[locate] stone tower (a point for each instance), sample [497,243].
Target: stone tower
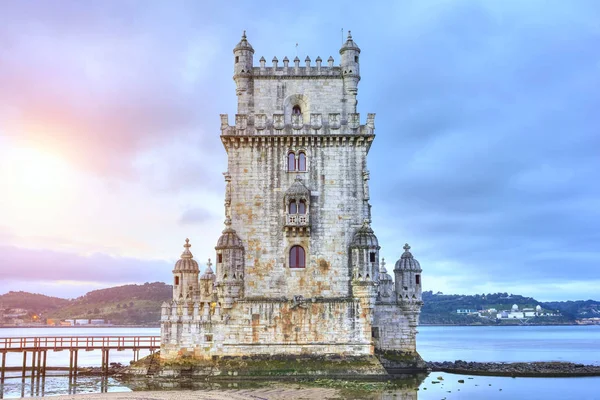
[297,266]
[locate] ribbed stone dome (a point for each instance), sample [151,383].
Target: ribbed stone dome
[407,261]
[365,237]
[187,262]
[383,275]
[243,44]
[229,239]
[208,273]
[349,45]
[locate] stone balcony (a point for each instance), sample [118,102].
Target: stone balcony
[297,225]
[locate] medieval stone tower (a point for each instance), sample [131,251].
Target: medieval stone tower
[297,268]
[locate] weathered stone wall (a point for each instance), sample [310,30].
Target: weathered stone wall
[337,208]
[396,326]
[311,326]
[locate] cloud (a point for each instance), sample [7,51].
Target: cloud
[20,264]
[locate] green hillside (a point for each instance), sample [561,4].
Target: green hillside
[33,302]
[121,305]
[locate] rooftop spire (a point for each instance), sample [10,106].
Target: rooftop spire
[187,253]
[407,253]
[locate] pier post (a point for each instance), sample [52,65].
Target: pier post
[44,364]
[107,363]
[3,371]
[75,363]
[33,354]
[24,366]
[70,364]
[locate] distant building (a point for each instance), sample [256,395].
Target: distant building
[466,311]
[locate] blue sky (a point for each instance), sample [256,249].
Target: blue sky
[485,160]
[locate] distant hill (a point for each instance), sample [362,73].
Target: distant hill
[121,305]
[33,302]
[440,308]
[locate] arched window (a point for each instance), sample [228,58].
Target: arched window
[301,162]
[291,161]
[302,207]
[293,207]
[297,259]
[296,110]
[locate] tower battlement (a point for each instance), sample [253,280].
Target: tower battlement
[296,71]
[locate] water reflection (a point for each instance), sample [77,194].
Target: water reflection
[435,386]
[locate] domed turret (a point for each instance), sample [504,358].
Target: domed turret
[386,283]
[515,307]
[350,66]
[408,277]
[230,265]
[185,283]
[365,254]
[365,238]
[242,73]
[207,280]
[407,261]
[244,54]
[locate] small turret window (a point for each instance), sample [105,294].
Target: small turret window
[418,279]
[291,161]
[237,59]
[296,110]
[301,162]
[219,258]
[293,207]
[297,258]
[372,257]
[355,59]
[176,280]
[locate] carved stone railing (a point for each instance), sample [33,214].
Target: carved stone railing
[275,124]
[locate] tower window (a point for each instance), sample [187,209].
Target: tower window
[237,59]
[219,258]
[418,279]
[301,162]
[176,280]
[296,110]
[297,258]
[355,59]
[372,257]
[291,161]
[302,207]
[293,207]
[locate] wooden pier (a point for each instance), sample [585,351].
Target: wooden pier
[38,347]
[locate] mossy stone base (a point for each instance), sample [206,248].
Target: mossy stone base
[279,366]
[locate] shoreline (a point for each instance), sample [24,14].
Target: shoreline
[541,369]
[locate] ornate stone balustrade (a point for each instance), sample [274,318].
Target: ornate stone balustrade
[276,124]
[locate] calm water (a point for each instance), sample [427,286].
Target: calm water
[521,343]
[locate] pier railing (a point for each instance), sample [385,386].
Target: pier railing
[58,343]
[39,346]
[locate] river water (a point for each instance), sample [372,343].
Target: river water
[580,344]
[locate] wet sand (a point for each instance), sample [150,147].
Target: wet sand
[286,393]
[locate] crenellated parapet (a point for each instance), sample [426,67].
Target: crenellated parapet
[317,124]
[295,71]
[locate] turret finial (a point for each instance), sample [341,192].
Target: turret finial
[406,247]
[209,264]
[244,34]
[187,253]
[349,35]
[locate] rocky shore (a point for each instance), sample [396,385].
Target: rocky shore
[522,369]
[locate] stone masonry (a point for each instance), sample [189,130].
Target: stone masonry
[297,268]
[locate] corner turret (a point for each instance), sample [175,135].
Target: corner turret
[408,278]
[185,273]
[350,72]
[242,72]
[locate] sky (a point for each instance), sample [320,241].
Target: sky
[485,161]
